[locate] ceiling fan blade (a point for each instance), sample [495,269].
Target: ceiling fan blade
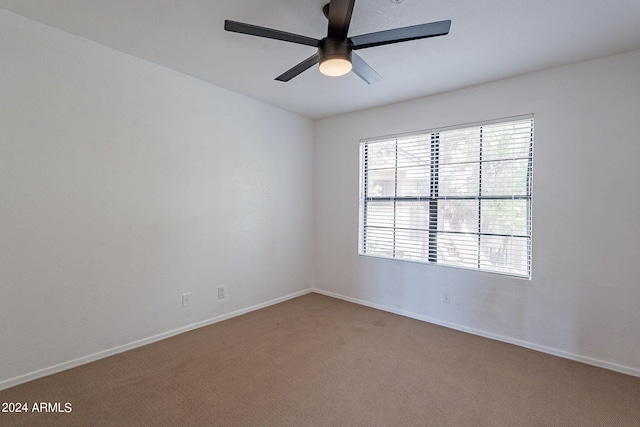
[340,18]
[303,66]
[254,30]
[432,29]
[364,70]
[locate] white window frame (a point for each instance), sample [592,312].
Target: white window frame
[398,219]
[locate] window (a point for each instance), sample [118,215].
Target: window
[454,196]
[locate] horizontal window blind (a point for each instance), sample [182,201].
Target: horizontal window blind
[455,196]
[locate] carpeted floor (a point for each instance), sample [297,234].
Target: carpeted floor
[319,361]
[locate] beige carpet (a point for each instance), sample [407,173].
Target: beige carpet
[318,361]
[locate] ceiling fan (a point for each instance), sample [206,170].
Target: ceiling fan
[335,52]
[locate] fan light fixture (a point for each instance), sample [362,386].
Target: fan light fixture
[334,57]
[335,67]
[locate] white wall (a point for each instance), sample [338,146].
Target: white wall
[584,299]
[124,184]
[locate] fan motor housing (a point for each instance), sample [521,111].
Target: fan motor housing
[335,49]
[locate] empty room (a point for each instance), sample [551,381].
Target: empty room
[310,213]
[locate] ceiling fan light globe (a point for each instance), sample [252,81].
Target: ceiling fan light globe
[335,67]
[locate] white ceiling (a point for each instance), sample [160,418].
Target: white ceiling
[489,40]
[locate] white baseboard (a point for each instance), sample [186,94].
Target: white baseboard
[139,343]
[533,346]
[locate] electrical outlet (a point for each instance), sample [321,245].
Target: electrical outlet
[446,297]
[221,293]
[186,300]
